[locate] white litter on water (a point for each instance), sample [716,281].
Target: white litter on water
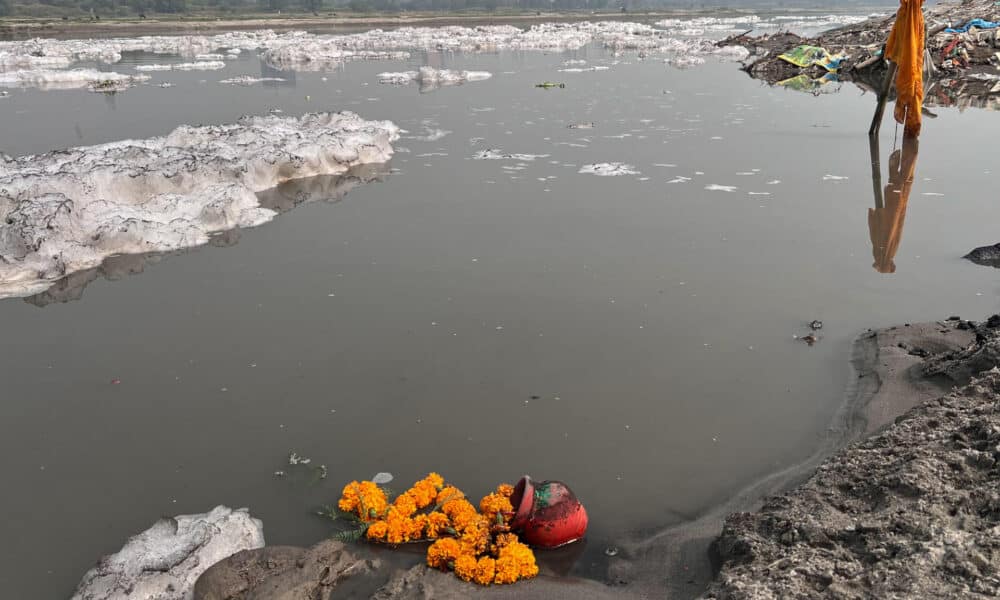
[829,177]
[608,169]
[67,211]
[714,187]
[382,478]
[296,459]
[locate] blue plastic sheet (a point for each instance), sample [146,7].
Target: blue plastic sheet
[977,23]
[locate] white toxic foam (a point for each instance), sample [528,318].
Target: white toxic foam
[67,211]
[431,78]
[203,65]
[47,79]
[299,50]
[249,80]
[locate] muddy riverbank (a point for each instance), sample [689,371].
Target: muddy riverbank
[910,512]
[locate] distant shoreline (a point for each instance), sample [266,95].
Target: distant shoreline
[18,28]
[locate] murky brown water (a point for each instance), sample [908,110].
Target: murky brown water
[481,318]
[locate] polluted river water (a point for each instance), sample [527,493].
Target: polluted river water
[485,305]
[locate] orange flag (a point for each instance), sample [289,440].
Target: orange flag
[906,48]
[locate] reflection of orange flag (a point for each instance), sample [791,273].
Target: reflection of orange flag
[885,224]
[906,48]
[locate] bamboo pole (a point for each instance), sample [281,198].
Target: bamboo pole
[883,97]
[876,171]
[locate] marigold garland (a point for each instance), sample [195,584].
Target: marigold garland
[476,545]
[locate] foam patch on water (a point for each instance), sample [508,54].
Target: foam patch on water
[206,65]
[246,80]
[431,78]
[721,26]
[299,50]
[67,211]
[47,79]
[612,169]
[584,69]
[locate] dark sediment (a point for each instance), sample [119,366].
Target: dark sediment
[911,512]
[964,69]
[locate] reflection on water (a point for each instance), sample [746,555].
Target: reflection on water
[326,188]
[276,77]
[885,221]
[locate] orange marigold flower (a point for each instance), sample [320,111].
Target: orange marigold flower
[504,539]
[436,523]
[495,504]
[442,552]
[462,513]
[423,494]
[434,479]
[349,497]
[404,505]
[475,539]
[505,489]
[448,494]
[506,570]
[415,527]
[365,499]
[515,561]
[465,566]
[485,571]
[399,527]
[377,530]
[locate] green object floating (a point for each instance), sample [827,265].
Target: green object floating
[548,85]
[806,56]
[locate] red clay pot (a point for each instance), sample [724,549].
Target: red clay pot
[547,514]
